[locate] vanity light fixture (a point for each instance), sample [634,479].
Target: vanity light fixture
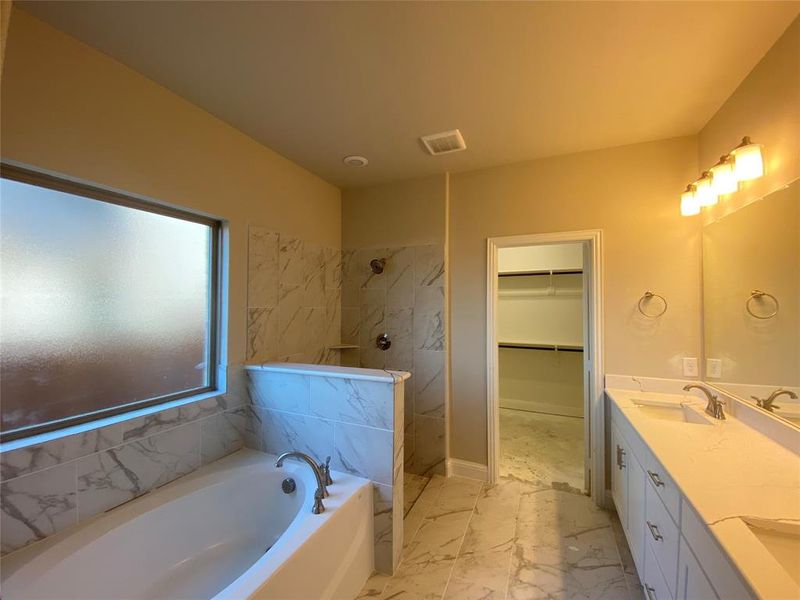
[689,205]
[723,176]
[704,193]
[744,163]
[748,163]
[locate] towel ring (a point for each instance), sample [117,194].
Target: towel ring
[758,295]
[646,297]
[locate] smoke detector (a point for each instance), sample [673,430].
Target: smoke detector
[355,161]
[444,142]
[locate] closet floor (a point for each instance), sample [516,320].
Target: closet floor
[542,449]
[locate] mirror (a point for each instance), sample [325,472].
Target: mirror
[751,303]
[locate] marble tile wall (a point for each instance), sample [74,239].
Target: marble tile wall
[53,485]
[293,299]
[407,302]
[357,422]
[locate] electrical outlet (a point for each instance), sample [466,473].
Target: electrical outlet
[713,368]
[690,367]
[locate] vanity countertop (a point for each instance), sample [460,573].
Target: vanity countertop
[727,470]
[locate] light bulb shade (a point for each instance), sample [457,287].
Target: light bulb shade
[723,177]
[748,162]
[689,205]
[704,194]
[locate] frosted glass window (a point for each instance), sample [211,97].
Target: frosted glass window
[106,307]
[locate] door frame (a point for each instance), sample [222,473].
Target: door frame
[594,404]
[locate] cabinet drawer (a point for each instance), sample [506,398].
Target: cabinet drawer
[664,486]
[655,587]
[662,536]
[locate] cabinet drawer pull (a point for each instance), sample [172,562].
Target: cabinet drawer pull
[656,479]
[620,454]
[651,592]
[654,532]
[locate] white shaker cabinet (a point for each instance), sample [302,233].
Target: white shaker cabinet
[665,535]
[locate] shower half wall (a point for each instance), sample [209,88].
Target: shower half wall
[405,302]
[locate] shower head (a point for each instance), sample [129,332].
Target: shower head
[377,265]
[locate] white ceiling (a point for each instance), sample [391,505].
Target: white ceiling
[318,81]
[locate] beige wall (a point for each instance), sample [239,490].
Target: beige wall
[766,106]
[631,193]
[402,213]
[69,109]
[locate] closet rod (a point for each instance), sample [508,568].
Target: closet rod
[552,347]
[552,272]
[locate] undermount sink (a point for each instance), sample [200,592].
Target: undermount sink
[670,411]
[782,540]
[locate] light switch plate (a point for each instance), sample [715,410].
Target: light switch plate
[690,367]
[713,368]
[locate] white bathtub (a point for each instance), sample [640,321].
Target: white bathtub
[206,536]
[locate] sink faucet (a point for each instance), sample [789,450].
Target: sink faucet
[714,406]
[767,403]
[321,492]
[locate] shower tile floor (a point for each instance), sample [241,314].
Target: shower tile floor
[542,449]
[514,540]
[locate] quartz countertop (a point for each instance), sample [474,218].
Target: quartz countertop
[726,470]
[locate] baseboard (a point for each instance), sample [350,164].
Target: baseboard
[465,468]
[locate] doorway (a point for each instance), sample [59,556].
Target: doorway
[545,386]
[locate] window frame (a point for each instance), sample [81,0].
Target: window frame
[214,324]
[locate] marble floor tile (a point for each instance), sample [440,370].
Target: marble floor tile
[464,589]
[560,546]
[486,533]
[488,569]
[542,449]
[547,574]
[419,581]
[437,539]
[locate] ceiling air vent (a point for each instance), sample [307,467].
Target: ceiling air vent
[444,143]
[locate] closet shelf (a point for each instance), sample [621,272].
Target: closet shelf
[536,346]
[541,272]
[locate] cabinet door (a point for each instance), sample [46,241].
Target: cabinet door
[655,587]
[637,483]
[619,475]
[692,582]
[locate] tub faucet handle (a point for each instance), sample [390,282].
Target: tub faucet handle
[326,471]
[318,508]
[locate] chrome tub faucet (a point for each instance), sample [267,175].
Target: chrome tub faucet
[320,492]
[714,406]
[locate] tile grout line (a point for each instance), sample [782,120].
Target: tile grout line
[463,537]
[513,547]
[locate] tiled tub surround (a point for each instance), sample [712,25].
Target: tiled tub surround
[50,486]
[407,302]
[293,299]
[354,416]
